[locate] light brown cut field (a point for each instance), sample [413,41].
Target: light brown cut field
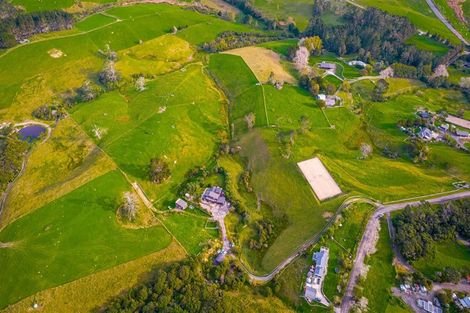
[262,62]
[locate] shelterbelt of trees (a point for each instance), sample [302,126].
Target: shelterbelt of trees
[16,25]
[189,286]
[419,228]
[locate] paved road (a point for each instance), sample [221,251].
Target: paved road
[439,15]
[305,245]
[369,235]
[462,286]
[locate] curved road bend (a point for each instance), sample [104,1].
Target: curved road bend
[305,245]
[441,17]
[368,236]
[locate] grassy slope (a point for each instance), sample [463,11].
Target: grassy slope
[428,44]
[282,46]
[71,237]
[41,5]
[417,11]
[184,134]
[449,253]
[155,57]
[300,11]
[89,292]
[66,161]
[240,85]
[44,77]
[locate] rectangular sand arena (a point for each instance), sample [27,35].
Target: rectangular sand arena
[319,179]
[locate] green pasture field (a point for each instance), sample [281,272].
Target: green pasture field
[397,86]
[71,237]
[300,11]
[177,118]
[46,5]
[418,12]
[190,230]
[450,15]
[94,21]
[381,277]
[154,57]
[240,85]
[288,105]
[45,77]
[448,253]
[330,79]
[428,44]
[67,160]
[466,9]
[282,46]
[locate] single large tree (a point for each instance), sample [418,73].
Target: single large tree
[130,206]
[313,44]
[158,170]
[250,120]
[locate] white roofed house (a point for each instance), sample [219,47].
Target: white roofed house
[327,66]
[315,277]
[181,204]
[357,63]
[427,134]
[321,262]
[332,100]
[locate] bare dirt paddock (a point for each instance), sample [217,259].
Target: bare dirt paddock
[319,179]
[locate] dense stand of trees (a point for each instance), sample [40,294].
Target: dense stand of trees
[190,286]
[419,228]
[12,150]
[232,40]
[371,33]
[19,26]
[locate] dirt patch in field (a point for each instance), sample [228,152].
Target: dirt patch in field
[319,178]
[456,5]
[5,245]
[262,62]
[56,53]
[327,215]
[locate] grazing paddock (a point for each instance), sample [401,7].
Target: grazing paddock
[71,237]
[319,178]
[263,62]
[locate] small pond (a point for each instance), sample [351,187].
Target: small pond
[31,132]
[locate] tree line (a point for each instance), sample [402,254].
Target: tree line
[188,286]
[12,150]
[21,25]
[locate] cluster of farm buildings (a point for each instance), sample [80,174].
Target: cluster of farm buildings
[214,201]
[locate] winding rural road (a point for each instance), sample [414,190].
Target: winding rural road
[368,239]
[305,245]
[441,17]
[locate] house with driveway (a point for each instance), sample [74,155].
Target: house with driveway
[315,277]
